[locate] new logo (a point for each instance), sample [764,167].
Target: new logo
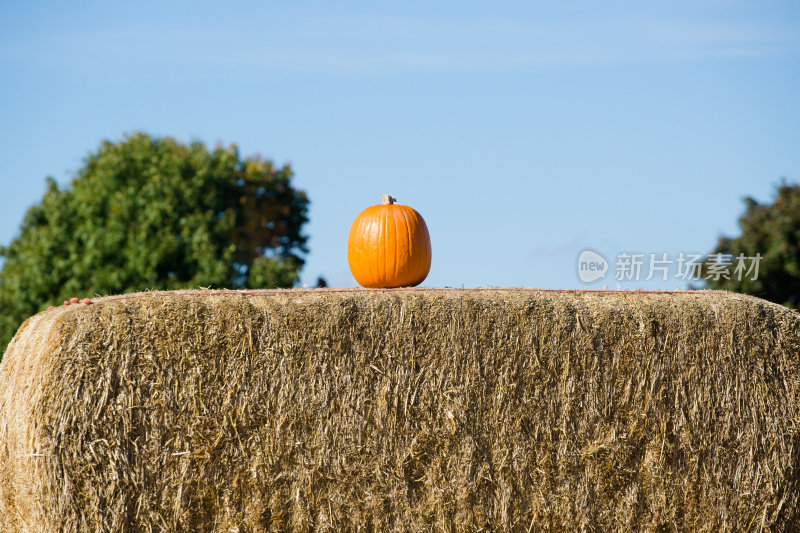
[591,266]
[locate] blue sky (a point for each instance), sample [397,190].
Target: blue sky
[522,132]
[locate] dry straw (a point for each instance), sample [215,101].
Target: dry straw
[404,410]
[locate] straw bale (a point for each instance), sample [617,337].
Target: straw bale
[403,410]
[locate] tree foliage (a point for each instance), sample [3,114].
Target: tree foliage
[152,213]
[772,230]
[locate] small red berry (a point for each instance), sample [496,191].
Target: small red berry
[73,300]
[66,302]
[50,307]
[86,301]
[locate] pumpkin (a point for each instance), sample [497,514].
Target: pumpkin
[389,246]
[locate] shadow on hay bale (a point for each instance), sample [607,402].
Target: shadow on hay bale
[404,410]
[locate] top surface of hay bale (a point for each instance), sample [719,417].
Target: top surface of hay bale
[403,410]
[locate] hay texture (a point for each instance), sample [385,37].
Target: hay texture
[403,410]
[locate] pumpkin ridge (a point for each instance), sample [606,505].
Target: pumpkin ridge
[383,236]
[364,226]
[376,265]
[409,242]
[396,252]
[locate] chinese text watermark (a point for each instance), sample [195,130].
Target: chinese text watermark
[685,266]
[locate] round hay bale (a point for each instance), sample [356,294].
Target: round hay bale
[403,410]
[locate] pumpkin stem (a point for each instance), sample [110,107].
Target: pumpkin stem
[388,200]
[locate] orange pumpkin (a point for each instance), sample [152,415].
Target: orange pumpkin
[389,246]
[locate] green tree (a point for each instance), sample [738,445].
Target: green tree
[773,231]
[152,213]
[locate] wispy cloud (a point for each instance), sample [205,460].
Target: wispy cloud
[399,43]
